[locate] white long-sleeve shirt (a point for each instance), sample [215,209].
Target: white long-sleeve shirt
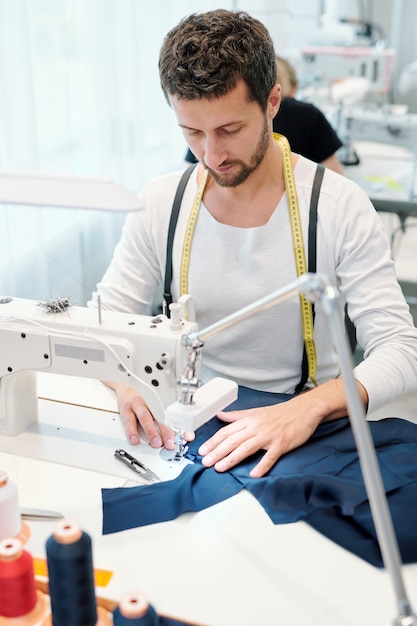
[231,267]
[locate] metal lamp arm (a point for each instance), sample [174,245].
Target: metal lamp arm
[317,287]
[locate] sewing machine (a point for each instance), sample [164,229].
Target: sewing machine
[144,351]
[149,352]
[324,67]
[382,124]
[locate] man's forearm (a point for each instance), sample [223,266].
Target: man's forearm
[329,400]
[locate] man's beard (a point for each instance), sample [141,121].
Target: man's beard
[246,169]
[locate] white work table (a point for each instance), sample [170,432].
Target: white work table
[228,565]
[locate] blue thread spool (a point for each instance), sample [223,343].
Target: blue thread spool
[71,576]
[134,610]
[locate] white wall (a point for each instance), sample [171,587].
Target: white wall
[80,94]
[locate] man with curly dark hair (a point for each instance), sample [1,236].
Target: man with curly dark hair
[218,74]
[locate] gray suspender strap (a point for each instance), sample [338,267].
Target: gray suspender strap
[312,224]
[312,267]
[312,251]
[167,296]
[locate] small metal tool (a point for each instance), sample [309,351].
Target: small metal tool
[39,514]
[136,465]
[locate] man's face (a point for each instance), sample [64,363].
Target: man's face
[229,135]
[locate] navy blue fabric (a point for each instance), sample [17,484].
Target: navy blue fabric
[196,488]
[320,483]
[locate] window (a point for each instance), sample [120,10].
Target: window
[80,95]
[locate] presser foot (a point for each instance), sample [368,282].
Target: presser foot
[176,455]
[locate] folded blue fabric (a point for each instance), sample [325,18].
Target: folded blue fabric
[320,482]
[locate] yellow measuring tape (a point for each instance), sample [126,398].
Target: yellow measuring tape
[189,234]
[299,254]
[298,246]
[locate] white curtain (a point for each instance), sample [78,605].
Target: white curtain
[80,94]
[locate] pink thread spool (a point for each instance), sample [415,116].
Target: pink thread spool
[20,602]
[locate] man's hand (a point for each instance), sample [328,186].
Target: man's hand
[134,411]
[276,429]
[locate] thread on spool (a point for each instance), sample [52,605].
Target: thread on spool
[71,576]
[135,610]
[18,595]
[10,521]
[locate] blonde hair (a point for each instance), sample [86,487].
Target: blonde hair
[286,77]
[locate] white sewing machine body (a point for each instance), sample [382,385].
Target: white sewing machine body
[144,351]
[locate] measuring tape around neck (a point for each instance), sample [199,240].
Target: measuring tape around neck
[299,253]
[189,234]
[298,247]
